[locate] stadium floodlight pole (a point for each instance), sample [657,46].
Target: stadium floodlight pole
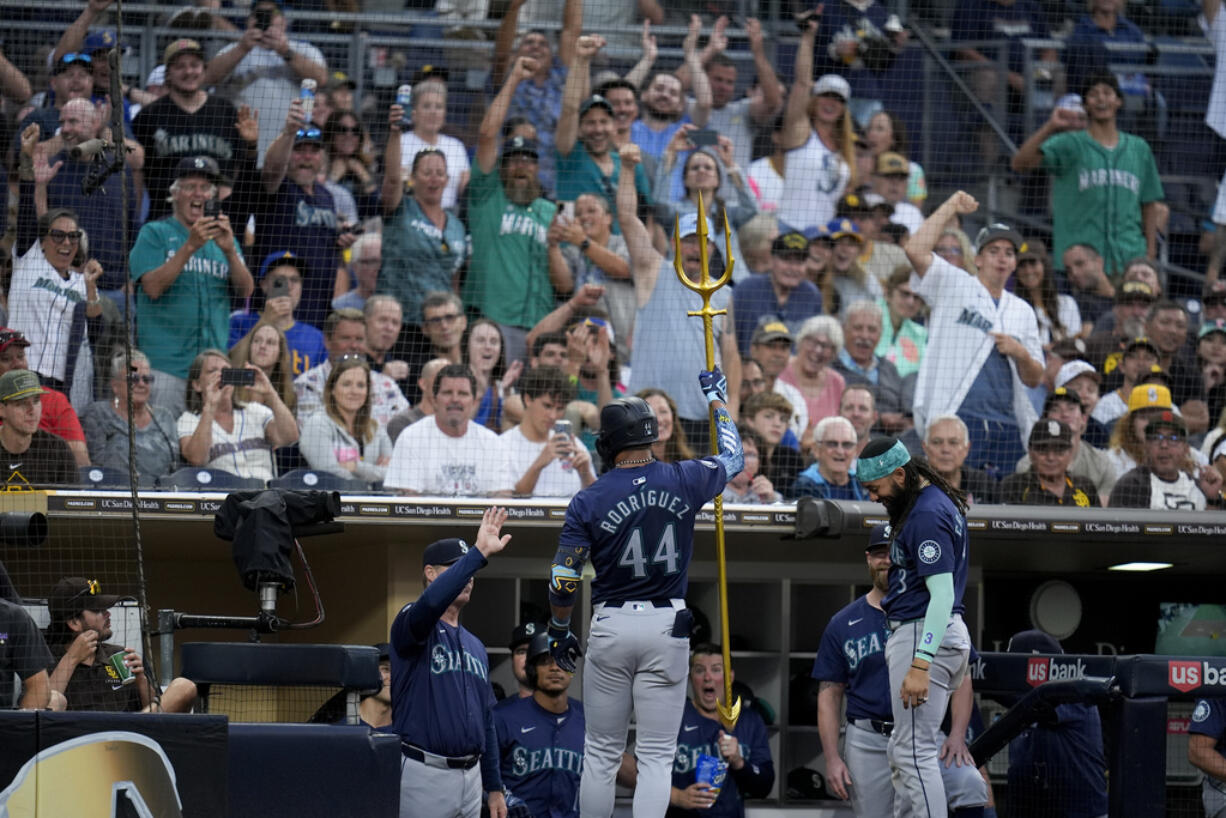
[729,709]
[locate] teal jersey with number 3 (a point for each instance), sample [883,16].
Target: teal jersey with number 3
[636,526]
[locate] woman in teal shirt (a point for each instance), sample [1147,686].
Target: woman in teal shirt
[424,246]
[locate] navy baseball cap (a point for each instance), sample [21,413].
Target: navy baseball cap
[521,145]
[276,259]
[879,537]
[1033,642]
[385,651]
[103,40]
[444,552]
[523,633]
[205,166]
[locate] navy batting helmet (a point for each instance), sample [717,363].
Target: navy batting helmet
[625,423]
[538,647]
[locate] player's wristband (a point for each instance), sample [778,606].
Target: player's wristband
[925,655]
[919,667]
[560,627]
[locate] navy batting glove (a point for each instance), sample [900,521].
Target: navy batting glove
[714,385]
[564,647]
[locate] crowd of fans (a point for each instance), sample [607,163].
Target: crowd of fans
[389,296]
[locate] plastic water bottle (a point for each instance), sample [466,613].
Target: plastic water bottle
[404,98]
[306,92]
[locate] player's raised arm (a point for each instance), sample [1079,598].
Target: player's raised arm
[919,246]
[715,387]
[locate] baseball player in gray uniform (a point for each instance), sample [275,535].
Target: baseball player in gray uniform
[636,524]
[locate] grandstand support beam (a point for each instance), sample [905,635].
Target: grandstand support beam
[1137,758]
[925,38]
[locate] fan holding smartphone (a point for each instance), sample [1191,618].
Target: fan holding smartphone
[281,276]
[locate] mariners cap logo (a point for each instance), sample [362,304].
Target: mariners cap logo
[1053,428]
[463,546]
[530,629]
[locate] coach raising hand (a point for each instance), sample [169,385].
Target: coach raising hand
[636,524]
[441,695]
[929,645]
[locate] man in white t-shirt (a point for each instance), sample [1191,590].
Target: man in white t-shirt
[265,69]
[446,454]
[983,341]
[542,461]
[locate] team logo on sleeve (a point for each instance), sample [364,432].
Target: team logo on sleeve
[929,552]
[1201,713]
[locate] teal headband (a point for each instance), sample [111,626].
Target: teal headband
[875,468]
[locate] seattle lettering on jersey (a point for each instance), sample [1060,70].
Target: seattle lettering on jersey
[1108,177]
[518,223]
[55,286]
[856,650]
[192,144]
[651,498]
[686,760]
[525,761]
[443,661]
[972,318]
[306,215]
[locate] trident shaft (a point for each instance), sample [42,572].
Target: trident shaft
[729,709]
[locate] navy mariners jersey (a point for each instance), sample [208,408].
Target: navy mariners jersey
[541,755]
[852,653]
[639,526]
[698,736]
[933,540]
[440,673]
[1209,719]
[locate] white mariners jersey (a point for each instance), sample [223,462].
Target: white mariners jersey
[816,177]
[959,341]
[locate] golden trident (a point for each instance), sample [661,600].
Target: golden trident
[728,713]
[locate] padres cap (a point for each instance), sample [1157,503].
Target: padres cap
[19,383]
[71,595]
[181,47]
[1166,420]
[205,166]
[1033,250]
[772,331]
[1073,370]
[1141,341]
[1149,396]
[832,84]
[1061,394]
[891,163]
[340,79]
[1050,434]
[100,41]
[523,633]
[1133,291]
[790,244]
[444,552]
[1156,374]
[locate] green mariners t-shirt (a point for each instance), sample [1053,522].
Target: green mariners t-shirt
[193,314]
[508,277]
[1097,195]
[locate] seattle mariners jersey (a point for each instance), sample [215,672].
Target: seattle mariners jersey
[639,526]
[700,736]
[816,178]
[852,653]
[959,341]
[933,540]
[440,673]
[1209,719]
[541,755]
